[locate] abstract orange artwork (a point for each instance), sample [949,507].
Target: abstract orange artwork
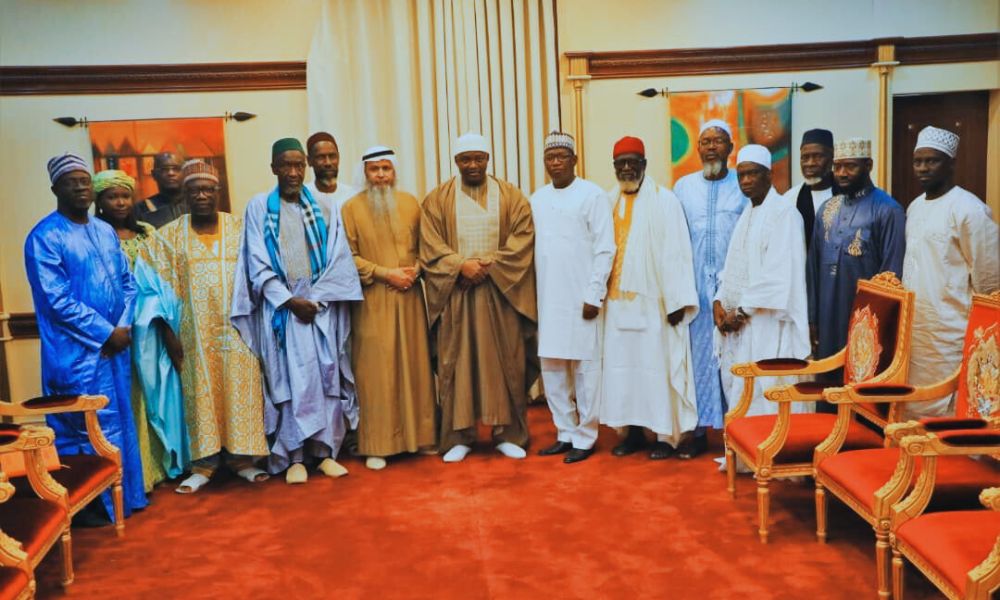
[131,146]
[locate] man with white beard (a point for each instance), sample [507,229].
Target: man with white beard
[647,372]
[760,310]
[574,249]
[324,158]
[390,350]
[712,202]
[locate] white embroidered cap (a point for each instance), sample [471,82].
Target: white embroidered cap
[719,123]
[558,139]
[937,139]
[755,153]
[852,148]
[471,142]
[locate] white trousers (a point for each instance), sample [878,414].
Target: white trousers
[576,422]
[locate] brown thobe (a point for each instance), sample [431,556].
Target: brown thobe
[390,351]
[483,335]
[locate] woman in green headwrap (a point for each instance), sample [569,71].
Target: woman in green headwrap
[164,448]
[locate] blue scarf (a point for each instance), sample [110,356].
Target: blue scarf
[315,226]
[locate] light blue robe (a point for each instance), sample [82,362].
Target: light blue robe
[160,381]
[310,396]
[855,236]
[712,209]
[82,290]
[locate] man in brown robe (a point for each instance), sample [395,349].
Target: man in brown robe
[476,250]
[389,342]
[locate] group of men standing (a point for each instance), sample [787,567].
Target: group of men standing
[328,309]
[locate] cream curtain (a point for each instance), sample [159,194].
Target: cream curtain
[416,74]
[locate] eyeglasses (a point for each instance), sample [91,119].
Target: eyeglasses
[200,190]
[716,141]
[632,163]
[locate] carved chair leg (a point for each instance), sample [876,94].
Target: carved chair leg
[66,549]
[118,499]
[731,472]
[763,506]
[882,561]
[820,513]
[897,575]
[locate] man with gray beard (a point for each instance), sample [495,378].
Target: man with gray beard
[390,351]
[647,372]
[713,203]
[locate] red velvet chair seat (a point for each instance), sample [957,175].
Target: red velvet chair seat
[12,582]
[805,433]
[957,484]
[952,542]
[81,473]
[32,521]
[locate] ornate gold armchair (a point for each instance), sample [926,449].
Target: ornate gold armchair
[31,525]
[782,445]
[870,481]
[84,476]
[958,551]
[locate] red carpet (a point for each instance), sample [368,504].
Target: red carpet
[489,527]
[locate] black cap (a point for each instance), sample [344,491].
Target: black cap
[817,136]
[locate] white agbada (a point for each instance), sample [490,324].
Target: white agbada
[335,200]
[765,275]
[951,253]
[647,372]
[574,249]
[818,196]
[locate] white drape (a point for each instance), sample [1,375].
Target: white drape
[416,74]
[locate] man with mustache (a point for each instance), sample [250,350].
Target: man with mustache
[476,254]
[323,155]
[760,309]
[84,298]
[647,378]
[816,162]
[858,234]
[390,350]
[712,202]
[290,304]
[951,253]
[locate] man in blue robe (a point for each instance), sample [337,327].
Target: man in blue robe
[84,297]
[295,276]
[712,202]
[858,233]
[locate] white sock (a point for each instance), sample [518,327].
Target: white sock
[511,450]
[456,454]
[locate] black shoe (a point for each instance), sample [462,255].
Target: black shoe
[576,455]
[556,448]
[692,446]
[660,451]
[633,442]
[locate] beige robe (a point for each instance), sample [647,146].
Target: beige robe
[484,336]
[390,351]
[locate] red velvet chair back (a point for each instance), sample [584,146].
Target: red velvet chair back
[979,378]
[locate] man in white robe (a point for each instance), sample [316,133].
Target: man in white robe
[647,377]
[574,248]
[951,253]
[323,156]
[760,310]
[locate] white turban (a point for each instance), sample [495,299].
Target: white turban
[937,139]
[716,123]
[754,153]
[471,142]
[374,154]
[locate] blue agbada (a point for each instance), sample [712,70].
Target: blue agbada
[82,290]
[712,209]
[855,236]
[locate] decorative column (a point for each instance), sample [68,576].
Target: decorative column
[886,63]
[579,72]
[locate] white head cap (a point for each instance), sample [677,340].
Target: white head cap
[755,153]
[938,139]
[719,123]
[471,142]
[374,154]
[852,148]
[558,139]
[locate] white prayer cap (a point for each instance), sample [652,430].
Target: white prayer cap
[558,139]
[471,142]
[937,139]
[755,153]
[716,123]
[852,148]
[377,153]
